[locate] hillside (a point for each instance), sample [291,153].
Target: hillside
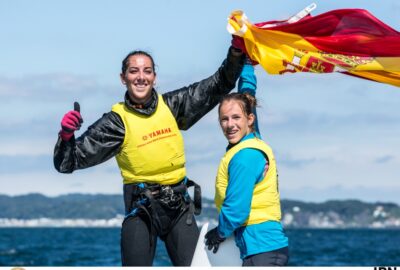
[295,214]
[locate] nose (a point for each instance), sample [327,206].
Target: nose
[230,123]
[141,75]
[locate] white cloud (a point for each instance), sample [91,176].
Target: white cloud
[339,192]
[28,146]
[46,86]
[52,183]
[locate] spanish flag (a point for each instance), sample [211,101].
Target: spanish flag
[350,41]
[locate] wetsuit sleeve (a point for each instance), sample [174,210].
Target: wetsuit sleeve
[190,103]
[98,143]
[245,169]
[247,80]
[248,84]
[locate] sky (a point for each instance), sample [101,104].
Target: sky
[334,136]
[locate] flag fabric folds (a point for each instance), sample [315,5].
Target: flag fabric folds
[350,41]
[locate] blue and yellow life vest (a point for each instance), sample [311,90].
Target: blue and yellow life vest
[153,148]
[265,204]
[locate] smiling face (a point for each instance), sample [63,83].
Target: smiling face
[139,78]
[234,122]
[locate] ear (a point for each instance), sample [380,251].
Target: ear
[121,76]
[251,118]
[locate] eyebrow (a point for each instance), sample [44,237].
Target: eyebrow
[134,67]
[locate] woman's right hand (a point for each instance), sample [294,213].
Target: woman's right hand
[71,122]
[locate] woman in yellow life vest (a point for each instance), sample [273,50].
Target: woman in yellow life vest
[143,134]
[246,194]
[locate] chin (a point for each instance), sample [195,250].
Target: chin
[141,96]
[233,141]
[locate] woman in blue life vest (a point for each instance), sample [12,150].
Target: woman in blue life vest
[143,134]
[246,189]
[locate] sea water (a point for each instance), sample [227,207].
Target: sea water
[100,247]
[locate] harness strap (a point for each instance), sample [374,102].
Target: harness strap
[189,220]
[139,205]
[148,198]
[196,195]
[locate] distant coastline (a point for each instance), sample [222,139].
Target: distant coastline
[106,211]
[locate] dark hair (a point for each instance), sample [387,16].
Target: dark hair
[137,52]
[246,101]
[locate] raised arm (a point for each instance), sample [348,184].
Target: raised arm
[248,84]
[190,103]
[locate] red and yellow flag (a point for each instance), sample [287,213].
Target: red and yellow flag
[350,41]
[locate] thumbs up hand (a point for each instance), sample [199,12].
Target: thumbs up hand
[71,122]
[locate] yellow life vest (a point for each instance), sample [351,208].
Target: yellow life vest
[265,204]
[153,148]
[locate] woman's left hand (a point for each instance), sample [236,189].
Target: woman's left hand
[213,239]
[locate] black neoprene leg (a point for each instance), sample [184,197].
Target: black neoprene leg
[135,243]
[181,241]
[277,257]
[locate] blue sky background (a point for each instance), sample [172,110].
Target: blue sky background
[334,136]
